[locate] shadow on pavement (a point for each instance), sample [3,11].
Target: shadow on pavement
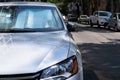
[93,29]
[90,75]
[101,60]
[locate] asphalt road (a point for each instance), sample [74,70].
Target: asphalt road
[100,49]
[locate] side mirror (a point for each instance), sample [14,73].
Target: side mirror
[71,26]
[65,18]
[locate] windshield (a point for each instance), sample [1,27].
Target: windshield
[29,18]
[103,14]
[83,16]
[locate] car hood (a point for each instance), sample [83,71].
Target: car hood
[105,17]
[31,52]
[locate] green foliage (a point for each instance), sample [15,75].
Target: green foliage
[53,1]
[62,5]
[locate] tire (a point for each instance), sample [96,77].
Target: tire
[88,22]
[98,24]
[91,24]
[108,27]
[116,28]
[80,22]
[105,25]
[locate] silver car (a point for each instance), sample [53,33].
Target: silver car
[100,18]
[114,22]
[35,44]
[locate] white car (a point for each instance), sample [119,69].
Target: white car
[114,22]
[100,18]
[35,44]
[83,18]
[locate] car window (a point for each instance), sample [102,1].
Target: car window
[5,17]
[96,13]
[30,17]
[103,14]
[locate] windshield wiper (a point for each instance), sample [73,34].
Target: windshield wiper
[20,30]
[16,30]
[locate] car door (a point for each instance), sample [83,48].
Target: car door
[113,20]
[95,18]
[118,19]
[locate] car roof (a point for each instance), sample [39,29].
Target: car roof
[103,11]
[27,4]
[100,11]
[83,15]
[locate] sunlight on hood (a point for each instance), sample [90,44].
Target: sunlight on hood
[31,54]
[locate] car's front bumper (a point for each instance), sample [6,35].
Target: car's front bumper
[77,76]
[103,23]
[84,20]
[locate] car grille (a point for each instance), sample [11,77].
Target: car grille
[31,76]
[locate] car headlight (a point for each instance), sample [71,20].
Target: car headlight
[103,19]
[62,70]
[106,19]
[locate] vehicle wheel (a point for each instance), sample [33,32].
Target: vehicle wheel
[115,28]
[108,27]
[80,22]
[105,26]
[91,25]
[98,24]
[88,22]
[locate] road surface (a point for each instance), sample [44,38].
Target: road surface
[100,49]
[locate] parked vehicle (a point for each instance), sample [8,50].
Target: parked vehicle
[84,18]
[114,22]
[36,44]
[100,18]
[72,17]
